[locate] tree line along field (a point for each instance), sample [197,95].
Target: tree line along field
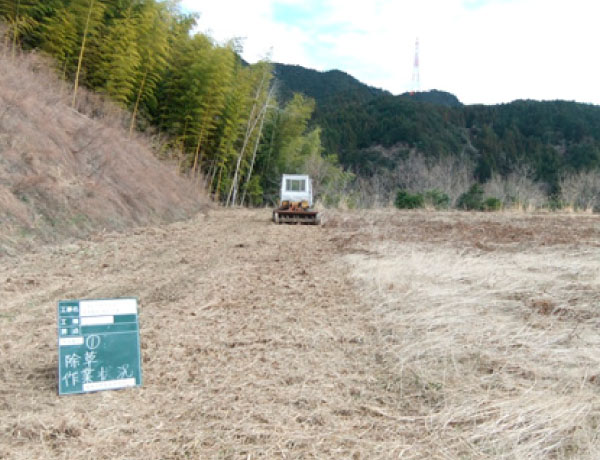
[380,334]
[241,126]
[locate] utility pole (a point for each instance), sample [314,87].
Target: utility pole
[416,80]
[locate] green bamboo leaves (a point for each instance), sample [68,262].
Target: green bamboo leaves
[221,116]
[18,15]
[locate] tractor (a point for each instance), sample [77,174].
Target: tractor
[296,201]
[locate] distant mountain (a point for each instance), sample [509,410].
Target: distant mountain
[370,129]
[434,96]
[330,85]
[322,86]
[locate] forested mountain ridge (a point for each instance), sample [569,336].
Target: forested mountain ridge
[553,137]
[434,96]
[370,129]
[322,86]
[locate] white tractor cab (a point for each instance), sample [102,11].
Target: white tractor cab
[296,201]
[296,188]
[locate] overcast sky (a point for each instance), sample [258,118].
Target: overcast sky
[483,51]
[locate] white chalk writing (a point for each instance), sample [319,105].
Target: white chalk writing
[102,374]
[86,375]
[72,360]
[71,378]
[124,372]
[93,342]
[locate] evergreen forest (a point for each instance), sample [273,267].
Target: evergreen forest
[372,131]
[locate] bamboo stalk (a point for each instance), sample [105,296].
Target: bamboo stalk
[137,104]
[81,52]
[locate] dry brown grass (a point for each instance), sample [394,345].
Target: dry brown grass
[64,173]
[489,338]
[381,334]
[253,347]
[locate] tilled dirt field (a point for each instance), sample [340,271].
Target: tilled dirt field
[266,341]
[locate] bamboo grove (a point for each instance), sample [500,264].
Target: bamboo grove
[222,117]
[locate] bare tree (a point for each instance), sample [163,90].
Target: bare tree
[263,114]
[253,120]
[518,189]
[581,190]
[452,175]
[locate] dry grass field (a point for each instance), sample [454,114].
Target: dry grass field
[380,334]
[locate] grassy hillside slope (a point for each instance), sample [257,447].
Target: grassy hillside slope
[65,174]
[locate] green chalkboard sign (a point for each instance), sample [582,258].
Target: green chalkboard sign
[98,345]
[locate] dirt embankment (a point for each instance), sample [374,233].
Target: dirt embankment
[65,173]
[377,335]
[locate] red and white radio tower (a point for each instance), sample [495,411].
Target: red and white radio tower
[416,83]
